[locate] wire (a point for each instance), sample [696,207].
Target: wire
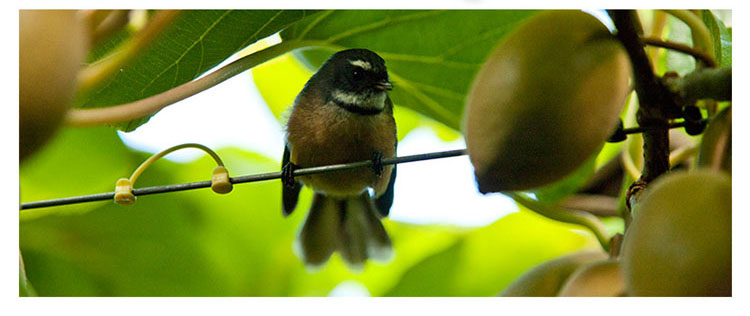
[240,179]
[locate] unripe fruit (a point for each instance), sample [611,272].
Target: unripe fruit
[547,278]
[680,240]
[545,101]
[602,278]
[52,45]
[716,145]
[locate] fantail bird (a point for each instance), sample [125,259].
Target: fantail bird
[343,114]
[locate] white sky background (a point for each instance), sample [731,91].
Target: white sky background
[234,114]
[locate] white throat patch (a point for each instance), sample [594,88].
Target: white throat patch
[361,64]
[365,101]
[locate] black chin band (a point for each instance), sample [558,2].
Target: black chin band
[359,110]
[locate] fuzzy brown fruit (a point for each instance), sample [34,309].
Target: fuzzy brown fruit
[52,45]
[680,240]
[544,101]
[602,278]
[716,144]
[547,278]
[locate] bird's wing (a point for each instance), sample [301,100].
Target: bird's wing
[383,203]
[289,194]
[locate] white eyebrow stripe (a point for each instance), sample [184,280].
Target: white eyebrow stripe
[361,64]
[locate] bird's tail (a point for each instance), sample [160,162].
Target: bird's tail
[349,225]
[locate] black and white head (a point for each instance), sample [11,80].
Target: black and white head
[355,79]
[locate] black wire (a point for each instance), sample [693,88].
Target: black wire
[277,175]
[240,179]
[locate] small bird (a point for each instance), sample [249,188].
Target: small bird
[343,114]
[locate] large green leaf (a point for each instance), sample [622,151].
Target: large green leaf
[432,56]
[195,42]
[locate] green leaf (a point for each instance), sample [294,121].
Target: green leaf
[195,42]
[24,285]
[722,39]
[483,262]
[106,47]
[432,56]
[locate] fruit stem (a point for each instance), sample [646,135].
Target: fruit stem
[699,31]
[697,54]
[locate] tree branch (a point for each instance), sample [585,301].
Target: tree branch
[656,104]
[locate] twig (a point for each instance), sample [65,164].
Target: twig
[682,48]
[241,179]
[698,30]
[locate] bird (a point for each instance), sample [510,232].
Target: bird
[343,114]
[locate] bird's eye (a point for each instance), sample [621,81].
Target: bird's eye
[357,74]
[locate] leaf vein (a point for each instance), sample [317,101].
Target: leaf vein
[186,51]
[387,20]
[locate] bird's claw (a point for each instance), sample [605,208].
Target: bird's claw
[377,163]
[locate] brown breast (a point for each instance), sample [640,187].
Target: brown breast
[328,134]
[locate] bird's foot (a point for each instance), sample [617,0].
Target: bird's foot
[377,163]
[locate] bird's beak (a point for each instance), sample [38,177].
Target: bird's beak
[384,85]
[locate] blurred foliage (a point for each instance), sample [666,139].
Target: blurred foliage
[678,32]
[558,190]
[197,243]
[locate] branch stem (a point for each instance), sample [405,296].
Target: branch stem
[656,104]
[682,48]
[701,35]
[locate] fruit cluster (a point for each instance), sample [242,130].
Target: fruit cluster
[544,102]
